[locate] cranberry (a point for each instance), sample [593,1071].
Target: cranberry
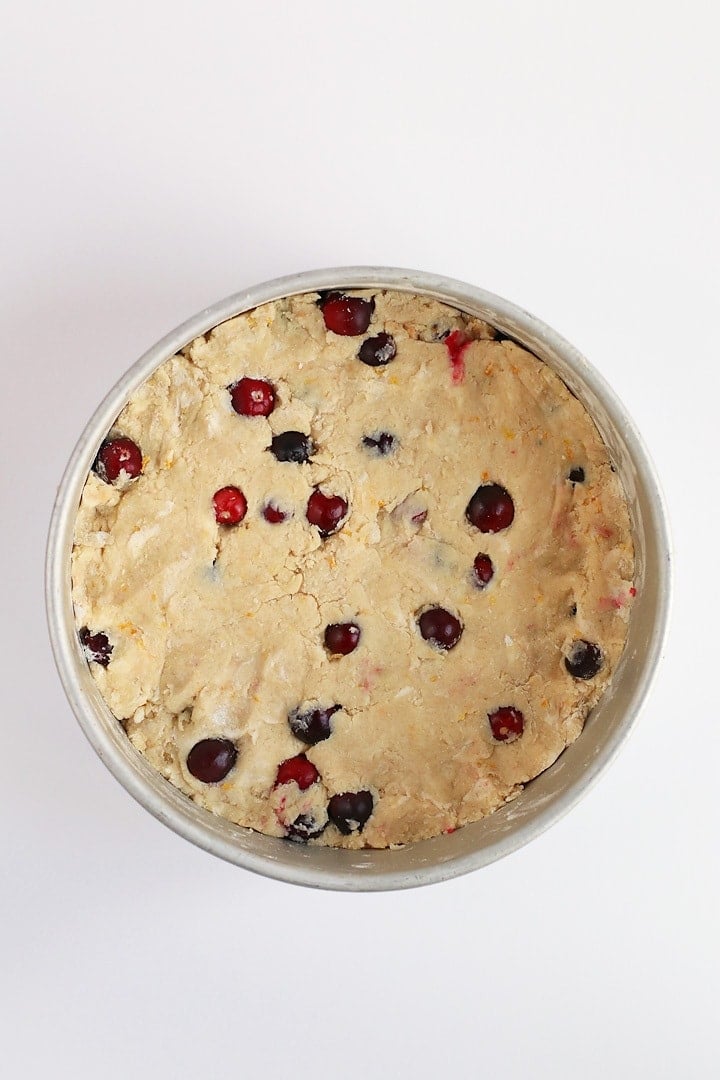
[382,443]
[292,446]
[342,638]
[230,506]
[347,315]
[96,647]
[326,511]
[577,475]
[440,628]
[118,456]
[490,509]
[210,760]
[377,351]
[274,514]
[305,828]
[457,345]
[483,570]
[506,723]
[584,659]
[299,769]
[312,725]
[252,397]
[350,811]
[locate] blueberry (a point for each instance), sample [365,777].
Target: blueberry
[210,760]
[312,725]
[292,446]
[377,351]
[350,811]
[383,443]
[584,659]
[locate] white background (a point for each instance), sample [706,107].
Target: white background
[159,156]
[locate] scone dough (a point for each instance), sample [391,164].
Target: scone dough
[218,631]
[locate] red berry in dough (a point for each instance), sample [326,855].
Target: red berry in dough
[491,509]
[252,397]
[347,315]
[118,456]
[230,506]
[483,570]
[440,628]
[506,723]
[326,511]
[299,769]
[342,638]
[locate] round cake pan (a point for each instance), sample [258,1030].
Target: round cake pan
[545,799]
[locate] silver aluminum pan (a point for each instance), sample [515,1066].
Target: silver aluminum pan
[546,798]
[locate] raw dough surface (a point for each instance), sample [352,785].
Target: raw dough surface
[218,631]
